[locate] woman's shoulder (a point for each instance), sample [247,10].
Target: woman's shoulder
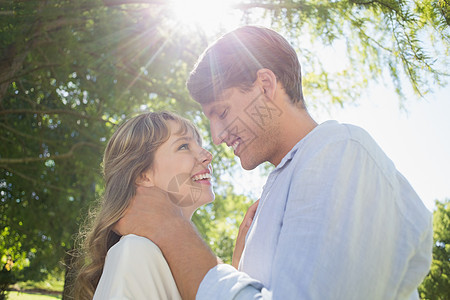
[132,239]
[135,245]
[136,269]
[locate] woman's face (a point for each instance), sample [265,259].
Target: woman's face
[183,169]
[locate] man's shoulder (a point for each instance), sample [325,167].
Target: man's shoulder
[332,132]
[333,141]
[335,131]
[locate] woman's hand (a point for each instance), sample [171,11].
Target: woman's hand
[243,229]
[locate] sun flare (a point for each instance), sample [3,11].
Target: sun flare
[209,15]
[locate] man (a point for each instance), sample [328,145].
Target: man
[335,220]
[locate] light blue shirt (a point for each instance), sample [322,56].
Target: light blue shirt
[336,220]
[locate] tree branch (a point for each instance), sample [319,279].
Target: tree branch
[268,6]
[12,63]
[55,157]
[34,181]
[7,81]
[18,132]
[121,2]
[52,112]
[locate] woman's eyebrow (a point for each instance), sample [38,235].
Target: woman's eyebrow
[182,138]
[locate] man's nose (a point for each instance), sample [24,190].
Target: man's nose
[217,134]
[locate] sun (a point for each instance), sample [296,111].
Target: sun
[209,15]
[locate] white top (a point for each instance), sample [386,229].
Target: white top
[136,269]
[335,220]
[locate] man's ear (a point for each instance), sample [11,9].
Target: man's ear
[145,179]
[268,82]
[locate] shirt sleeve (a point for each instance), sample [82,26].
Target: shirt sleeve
[136,269]
[225,282]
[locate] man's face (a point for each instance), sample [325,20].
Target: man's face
[245,121]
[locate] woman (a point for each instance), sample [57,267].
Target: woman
[153,150]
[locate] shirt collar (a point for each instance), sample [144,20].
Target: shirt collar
[288,157]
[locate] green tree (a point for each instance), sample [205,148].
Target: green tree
[70,71]
[437,283]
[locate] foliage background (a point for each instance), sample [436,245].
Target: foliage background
[70,71]
[437,283]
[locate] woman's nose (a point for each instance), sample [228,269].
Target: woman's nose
[205,157]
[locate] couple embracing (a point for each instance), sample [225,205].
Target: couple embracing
[335,219]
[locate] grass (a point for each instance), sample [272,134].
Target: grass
[28,296]
[49,289]
[51,284]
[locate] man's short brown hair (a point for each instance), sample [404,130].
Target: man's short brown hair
[234,59]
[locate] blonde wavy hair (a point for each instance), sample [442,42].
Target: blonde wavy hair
[129,153]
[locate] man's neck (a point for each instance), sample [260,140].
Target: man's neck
[295,124]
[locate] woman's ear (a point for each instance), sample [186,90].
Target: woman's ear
[268,81]
[145,179]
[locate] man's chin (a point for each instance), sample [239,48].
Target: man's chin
[247,165]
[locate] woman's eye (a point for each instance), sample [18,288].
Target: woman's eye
[183,147]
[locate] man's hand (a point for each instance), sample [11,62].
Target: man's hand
[243,229]
[149,214]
